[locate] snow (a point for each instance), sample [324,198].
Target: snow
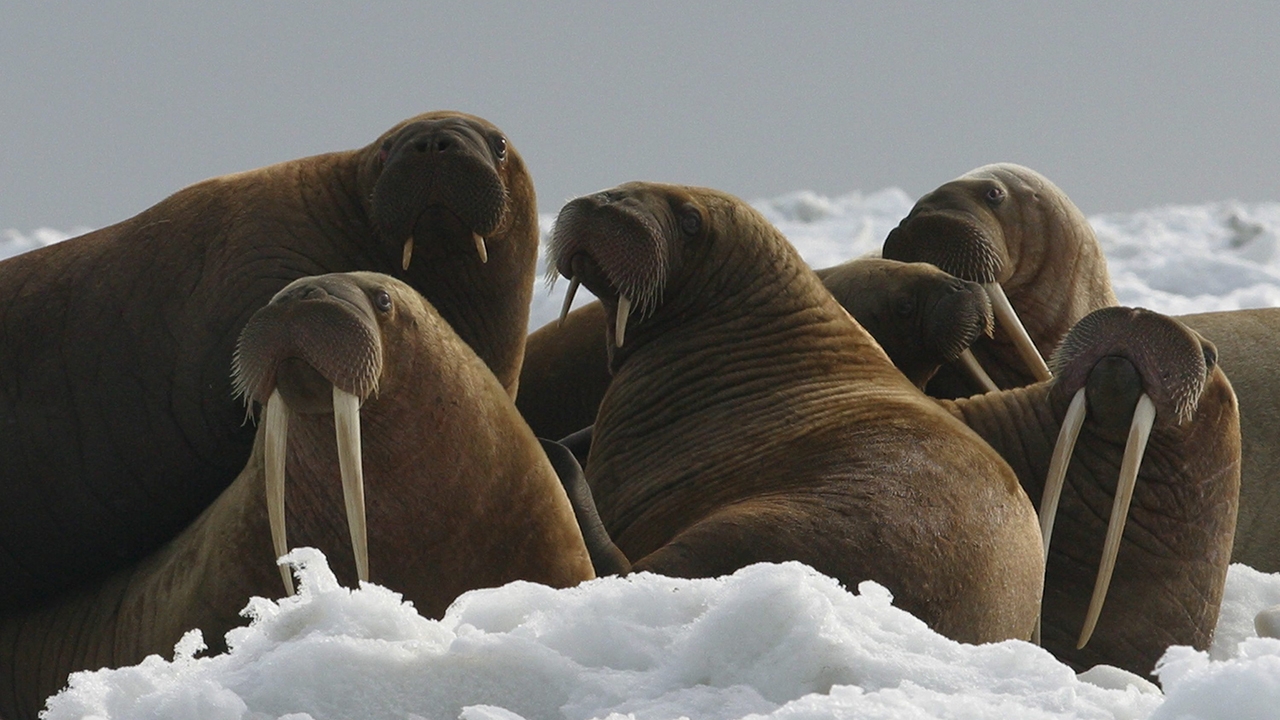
[770,641]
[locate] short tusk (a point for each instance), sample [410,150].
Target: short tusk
[346,420]
[408,254]
[276,439]
[620,326]
[568,300]
[974,368]
[480,247]
[1021,339]
[1144,416]
[1267,622]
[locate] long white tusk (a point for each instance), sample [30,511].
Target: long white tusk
[974,368]
[408,254]
[620,326]
[1267,622]
[568,299]
[276,439]
[1057,476]
[346,420]
[1021,339]
[1144,416]
[480,247]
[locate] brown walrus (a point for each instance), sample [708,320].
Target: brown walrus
[1184,482]
[751,419]
[1011,229]
[120,422]
[955,226]
[921,316]
[460,495]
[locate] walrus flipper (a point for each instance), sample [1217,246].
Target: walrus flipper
[606,558]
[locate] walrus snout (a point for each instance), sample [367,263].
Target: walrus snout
[958,318]
[315,334]
[446,164]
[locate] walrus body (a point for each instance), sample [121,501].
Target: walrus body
[460,494]
[120,424]
[1249,353]
[921,316]
[750,419]
[1008,226]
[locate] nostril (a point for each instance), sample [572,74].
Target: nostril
[444,144]
[421,146]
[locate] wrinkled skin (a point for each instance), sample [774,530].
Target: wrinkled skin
[460,496]
[1008,224]
[121,425]
[750,419]
[1176,547]
[921,316]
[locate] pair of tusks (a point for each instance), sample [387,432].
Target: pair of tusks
[481,249]
[346,417]
[620,324]
[1144,416]
[1009,320]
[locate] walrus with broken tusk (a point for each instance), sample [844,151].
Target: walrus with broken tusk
[120,423]
[458,493]
[751,419]
[1011,229]
[921,316]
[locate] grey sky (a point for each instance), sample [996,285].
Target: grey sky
[108,107]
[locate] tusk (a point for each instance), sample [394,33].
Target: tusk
[276,439]
[620,326]
[1144,416]
[346,420]
[1013,326]
[1267,622]
[480,247]
[974,368]
[1057,477]
[408,254]
[568,300]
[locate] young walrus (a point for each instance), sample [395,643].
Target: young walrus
[751,419]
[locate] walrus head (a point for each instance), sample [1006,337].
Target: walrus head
[921,316]
[441,185]
[619,244]
[991,226]
[317,348]
[1118,363]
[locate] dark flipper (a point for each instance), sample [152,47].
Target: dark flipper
[605,556]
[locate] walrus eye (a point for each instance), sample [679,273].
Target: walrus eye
[382,301]
[500,147]
[906,306]
[995,196]
[690,220]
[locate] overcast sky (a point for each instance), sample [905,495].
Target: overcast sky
[106,108]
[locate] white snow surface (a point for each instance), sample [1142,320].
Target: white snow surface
[770,641]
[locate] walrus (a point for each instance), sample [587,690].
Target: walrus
[1011,229]
[459,492]
[1056,274]
[751,419]
[1158,441]
[921,316]
[120,421]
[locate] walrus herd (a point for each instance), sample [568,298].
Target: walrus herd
[333,352]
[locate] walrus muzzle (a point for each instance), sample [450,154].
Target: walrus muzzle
[315,348]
